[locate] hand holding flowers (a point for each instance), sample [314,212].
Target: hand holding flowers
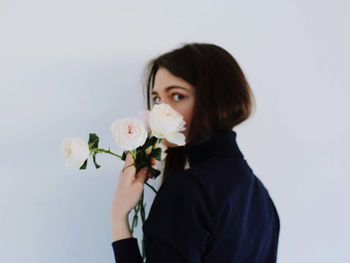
[141,138]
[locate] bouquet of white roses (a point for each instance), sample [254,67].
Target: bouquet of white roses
[141,136]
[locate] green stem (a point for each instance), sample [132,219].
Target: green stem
[129,165]
[105,151]
[154,190]
[142,212]
[135,218]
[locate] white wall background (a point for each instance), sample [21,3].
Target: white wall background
[68,68]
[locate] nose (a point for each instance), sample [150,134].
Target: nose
[163,101]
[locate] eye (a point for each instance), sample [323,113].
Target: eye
[154,99]
[180,96]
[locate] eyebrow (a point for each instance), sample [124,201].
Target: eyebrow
[169,88]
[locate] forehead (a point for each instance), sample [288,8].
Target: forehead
[165,81]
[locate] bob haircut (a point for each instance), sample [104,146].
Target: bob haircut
[223,97]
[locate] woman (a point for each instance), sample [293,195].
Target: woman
[210,206]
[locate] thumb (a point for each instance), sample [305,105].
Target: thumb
[142,175]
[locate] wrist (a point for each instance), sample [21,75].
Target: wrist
[118,217]
[120,227]
[117,214]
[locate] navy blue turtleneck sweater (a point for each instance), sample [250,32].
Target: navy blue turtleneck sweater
[215,211]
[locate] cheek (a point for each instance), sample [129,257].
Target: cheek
[187,115]
[186,110]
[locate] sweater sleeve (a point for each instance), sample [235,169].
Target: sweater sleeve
[127,250]
[177,228]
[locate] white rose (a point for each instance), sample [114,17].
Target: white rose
[129,133]
[167,123]
[75,151]
[144,116]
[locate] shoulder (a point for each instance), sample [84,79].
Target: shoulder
[232,188]
[223,174]
[224,180]
[230,182]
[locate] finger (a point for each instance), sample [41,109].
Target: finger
[142,175]
[129,168]
[128,158]
[128,161]
[153,161]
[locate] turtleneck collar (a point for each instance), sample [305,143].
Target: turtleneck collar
[222,142]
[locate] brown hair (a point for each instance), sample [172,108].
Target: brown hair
[223,97]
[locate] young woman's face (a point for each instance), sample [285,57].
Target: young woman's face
[176,92]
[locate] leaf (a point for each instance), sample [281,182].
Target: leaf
[156,153]
[84,165]
[150,141]
[93,140]
[124,155]
[141,160]
[94,159]
[141,155]
[133,152]
[154,172]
